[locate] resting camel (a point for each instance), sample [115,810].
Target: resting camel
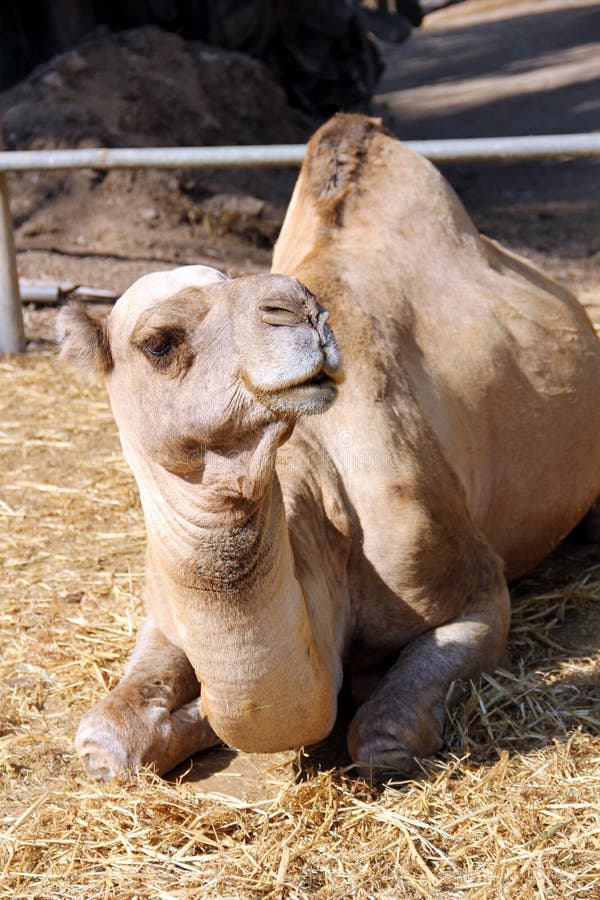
[340,466]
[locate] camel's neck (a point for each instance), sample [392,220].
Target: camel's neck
[239,613]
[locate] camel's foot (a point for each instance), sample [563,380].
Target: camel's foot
[116,737]
[384,742]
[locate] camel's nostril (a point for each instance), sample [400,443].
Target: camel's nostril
[274,314]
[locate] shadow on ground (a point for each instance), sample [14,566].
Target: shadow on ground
[536,73]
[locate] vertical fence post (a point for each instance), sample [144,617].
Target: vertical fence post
[12,333]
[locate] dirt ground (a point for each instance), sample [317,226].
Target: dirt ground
[108,228]
[74,559]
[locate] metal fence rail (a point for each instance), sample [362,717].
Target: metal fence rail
[12,338]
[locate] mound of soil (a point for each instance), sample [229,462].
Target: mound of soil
[148,87]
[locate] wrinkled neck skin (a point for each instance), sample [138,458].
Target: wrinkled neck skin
[221,583]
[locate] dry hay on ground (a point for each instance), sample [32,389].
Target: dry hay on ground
[509,810]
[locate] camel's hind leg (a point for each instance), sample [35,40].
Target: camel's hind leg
[152,717]
[404,718]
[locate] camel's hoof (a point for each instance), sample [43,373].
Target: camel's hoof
[384,745]
[98,767]
[102,753]
[379,763]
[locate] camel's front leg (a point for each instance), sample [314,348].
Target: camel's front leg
[404,718]
[152,717]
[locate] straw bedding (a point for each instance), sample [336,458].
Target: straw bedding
[509,810]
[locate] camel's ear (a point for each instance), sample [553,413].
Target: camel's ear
[84,340]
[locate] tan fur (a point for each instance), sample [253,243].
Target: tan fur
[375,538]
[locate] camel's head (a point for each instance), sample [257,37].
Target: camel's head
[196,362]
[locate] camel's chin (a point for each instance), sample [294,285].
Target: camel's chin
[307,399]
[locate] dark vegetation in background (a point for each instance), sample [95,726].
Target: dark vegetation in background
[321,51]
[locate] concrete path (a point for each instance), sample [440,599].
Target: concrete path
[496,67]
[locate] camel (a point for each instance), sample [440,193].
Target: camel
[341,464]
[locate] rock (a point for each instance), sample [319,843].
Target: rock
[149,215]
[53,79]
[45,223]
[247,216]
[73,62]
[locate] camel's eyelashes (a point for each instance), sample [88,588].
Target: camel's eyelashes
[160,347]
[168,351]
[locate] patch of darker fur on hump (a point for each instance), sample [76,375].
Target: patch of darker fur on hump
[336,155]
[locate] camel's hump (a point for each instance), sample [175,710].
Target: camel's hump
[336,154]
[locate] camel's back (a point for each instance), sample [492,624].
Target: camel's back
[446,337]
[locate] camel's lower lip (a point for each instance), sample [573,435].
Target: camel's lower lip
[320,380]
[319,384]
[313,395]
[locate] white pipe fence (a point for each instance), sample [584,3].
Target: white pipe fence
[12,337]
